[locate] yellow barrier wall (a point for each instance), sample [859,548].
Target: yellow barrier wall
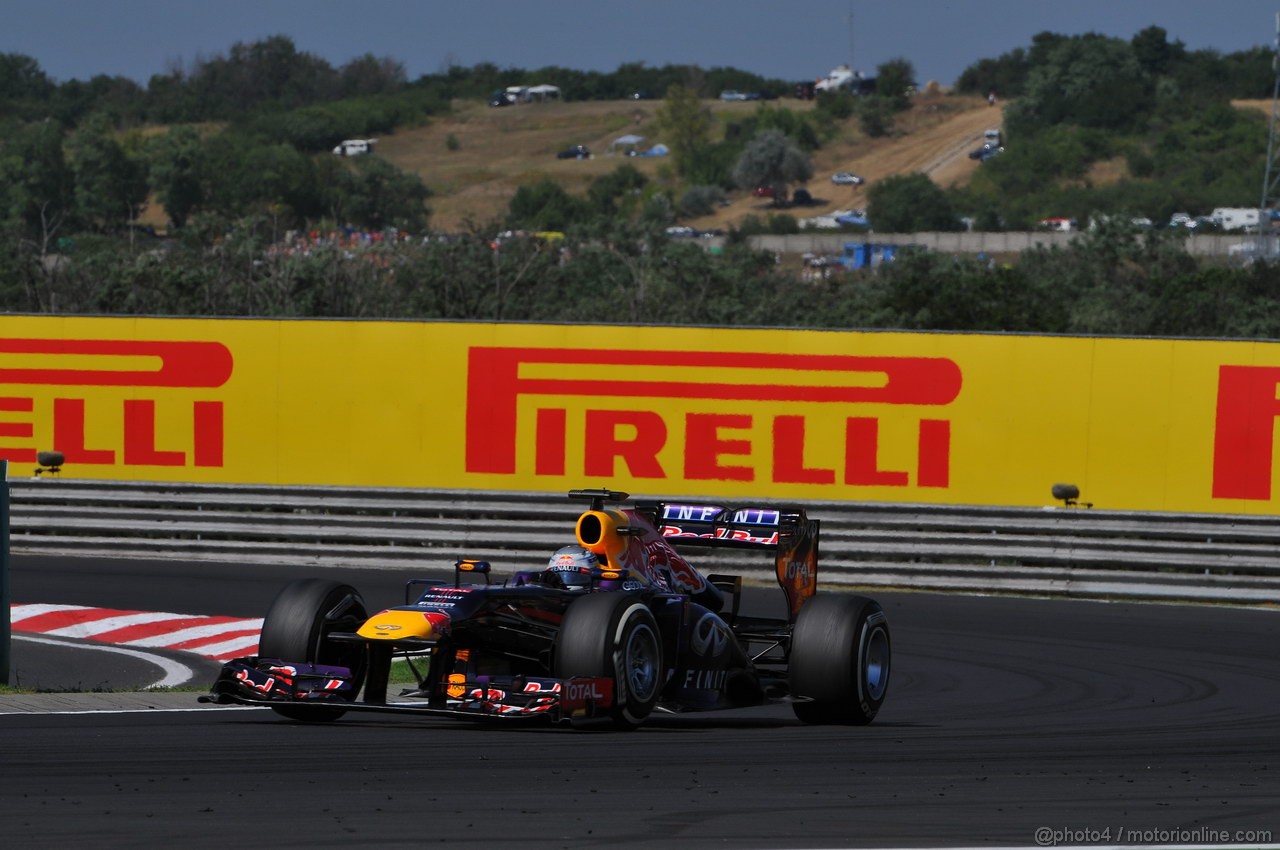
[1179,425]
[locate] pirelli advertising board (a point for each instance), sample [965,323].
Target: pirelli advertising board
[1143,424]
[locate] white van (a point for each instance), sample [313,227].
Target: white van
[354,147]
[1237,218]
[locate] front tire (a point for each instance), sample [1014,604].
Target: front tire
[839,664]
[613,635]
[298,627]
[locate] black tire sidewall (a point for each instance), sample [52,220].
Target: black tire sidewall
[593,642]
[294,630]
[829,659]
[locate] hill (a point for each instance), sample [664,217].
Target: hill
[496,150]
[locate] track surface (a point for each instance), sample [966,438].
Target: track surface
[1004,716]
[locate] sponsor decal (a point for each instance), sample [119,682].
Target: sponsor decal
[801,569]
[255,680]
[721,534]
[133,366]
[704,680]
[1244,432]
[717,446]
[541,686]
[708,637]
[580,694]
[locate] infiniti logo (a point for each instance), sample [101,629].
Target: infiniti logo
[387,627]
[708,637]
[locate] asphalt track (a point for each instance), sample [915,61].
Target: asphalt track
[1105,724]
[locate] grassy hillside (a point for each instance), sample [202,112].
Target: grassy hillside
[499,149]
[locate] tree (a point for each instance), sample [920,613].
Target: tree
[615,192]
[177,173]
[895,82]
[909,203]
[368,74]
[110,185]
[1006,75]
[685,124]
[772,159]
[384,196]
[545,205]
[1154,52]
[37,186]
[24,88]
[1089,80]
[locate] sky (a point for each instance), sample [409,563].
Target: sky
[79,39]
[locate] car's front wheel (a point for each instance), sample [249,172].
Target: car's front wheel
[839,663]
[298,627]
[613,635]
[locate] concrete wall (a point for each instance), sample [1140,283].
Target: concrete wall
[1206,245]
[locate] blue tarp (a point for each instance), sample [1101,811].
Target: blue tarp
[861,255]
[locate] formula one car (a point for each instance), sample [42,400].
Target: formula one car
[638,632]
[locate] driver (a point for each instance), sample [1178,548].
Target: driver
[573,566]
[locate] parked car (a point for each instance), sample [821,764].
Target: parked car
[985,152]
[574,152]
[846,178]
[801,197]
[501,98]
[733,94]
[354,147]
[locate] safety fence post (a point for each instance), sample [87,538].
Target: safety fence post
[5,613]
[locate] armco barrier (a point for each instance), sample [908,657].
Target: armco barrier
[1055,551]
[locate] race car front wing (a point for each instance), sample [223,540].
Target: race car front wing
[268,681]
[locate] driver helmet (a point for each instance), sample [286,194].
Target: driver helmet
[573,566]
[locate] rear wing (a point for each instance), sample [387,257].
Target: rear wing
[787,532]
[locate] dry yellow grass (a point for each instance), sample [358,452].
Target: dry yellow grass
[501,149]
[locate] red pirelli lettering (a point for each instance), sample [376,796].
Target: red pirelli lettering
[167,363]
[495,386]
[1244,433]
[131,364]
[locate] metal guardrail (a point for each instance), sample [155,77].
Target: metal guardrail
[1071,552]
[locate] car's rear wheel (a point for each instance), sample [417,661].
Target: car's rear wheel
[613,635]
[298,627]
[839,664]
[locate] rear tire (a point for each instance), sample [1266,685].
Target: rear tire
[613,635]
[297,628]
[840,654]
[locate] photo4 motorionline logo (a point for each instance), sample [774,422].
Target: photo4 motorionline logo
[1183,838]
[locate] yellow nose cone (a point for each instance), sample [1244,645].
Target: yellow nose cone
[394,625]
